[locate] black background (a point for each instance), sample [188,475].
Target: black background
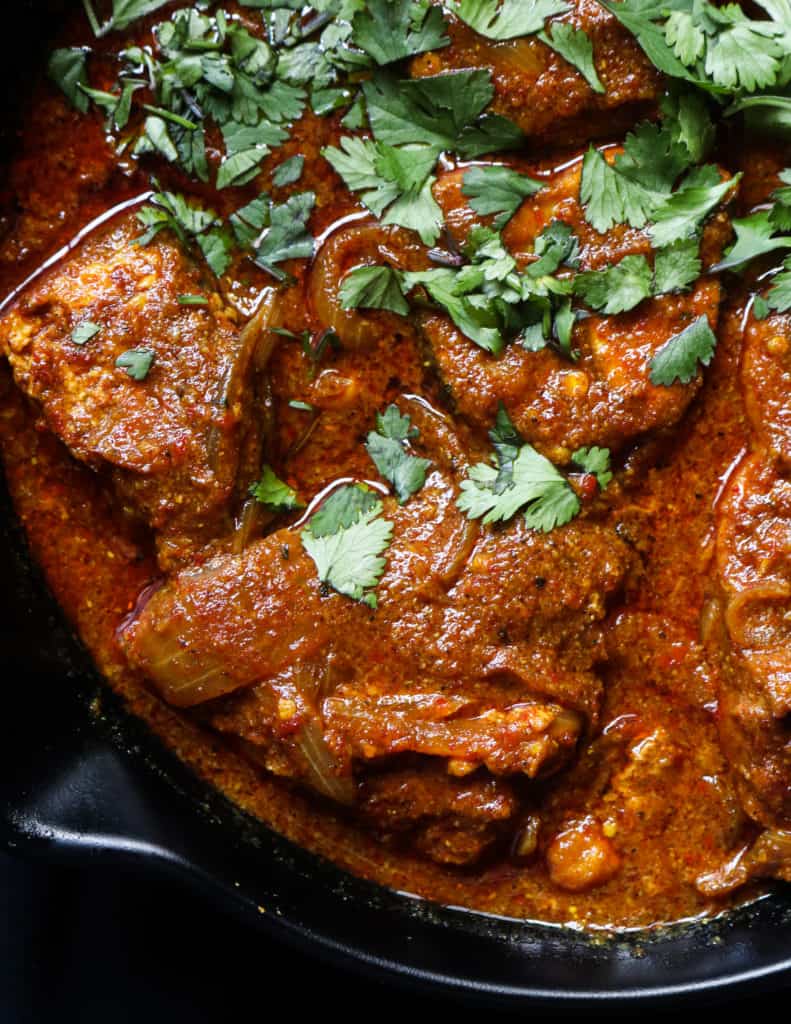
[110,946]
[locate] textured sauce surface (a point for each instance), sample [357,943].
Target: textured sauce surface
[651,778]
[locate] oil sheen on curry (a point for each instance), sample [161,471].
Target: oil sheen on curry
[397,398]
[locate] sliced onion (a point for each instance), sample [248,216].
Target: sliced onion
[742,608]
[323,769]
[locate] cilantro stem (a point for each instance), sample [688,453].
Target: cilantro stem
[97,28]
[168,115]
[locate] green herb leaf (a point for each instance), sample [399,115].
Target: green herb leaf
[127,11]
[754,237]
[574,45]
[68,70]
[497,190]
[596,461]
[676,266]
[373,288]
[535,487]
[287,236]
[387,448]
[779,295]
[288,172]
[193,300]
[136,361]
[271,491]
[83,332]
[390,30]
[681,214]
[347,541]
[678,358]
[615,289]
[510,18]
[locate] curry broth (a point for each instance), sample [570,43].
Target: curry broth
[653,775]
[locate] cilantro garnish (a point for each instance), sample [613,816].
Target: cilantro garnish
[286,236]
[676,266]
[391,30]
[443,111]
[618,288]
[779,295]
[596,461]
[520,479]
[755,236]
[191,223]
[347,539]
[574,46]
[498,190]
[412,123]
[68,70]
[718,48]
[136,361]
[387,448]
[395,182]
[271,491]
[508,19]
[678,358]
[681,214]
[83,332]
[288,172]
[372,288]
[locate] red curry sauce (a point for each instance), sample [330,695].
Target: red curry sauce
[651,786]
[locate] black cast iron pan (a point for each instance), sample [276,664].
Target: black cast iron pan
[87,788]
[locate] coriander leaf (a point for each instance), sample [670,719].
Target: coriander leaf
[780,214]
[676,266]
[615,289]
[136,361]
[241,168]
[574,46]
[68,70]
[433,111]
[191,223]
[83,332]
[497,190]
[287,236]
[510,18]
[343,508]
[271,491]
[390,30]
[639,17]
[155,138]
[127,11]
[754,237]
[653,156]
[396,184]
[779,295]
[356,162]
[678,358]
[596,461]
[474,316]
[761,306]
[288,172]
[610,198]
[681,214]
[555,246]
[349,558]
[687,118]
[386,446]
[216,246]
[536,487]
[372,288]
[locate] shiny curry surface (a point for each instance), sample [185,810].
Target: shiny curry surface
[598,634]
